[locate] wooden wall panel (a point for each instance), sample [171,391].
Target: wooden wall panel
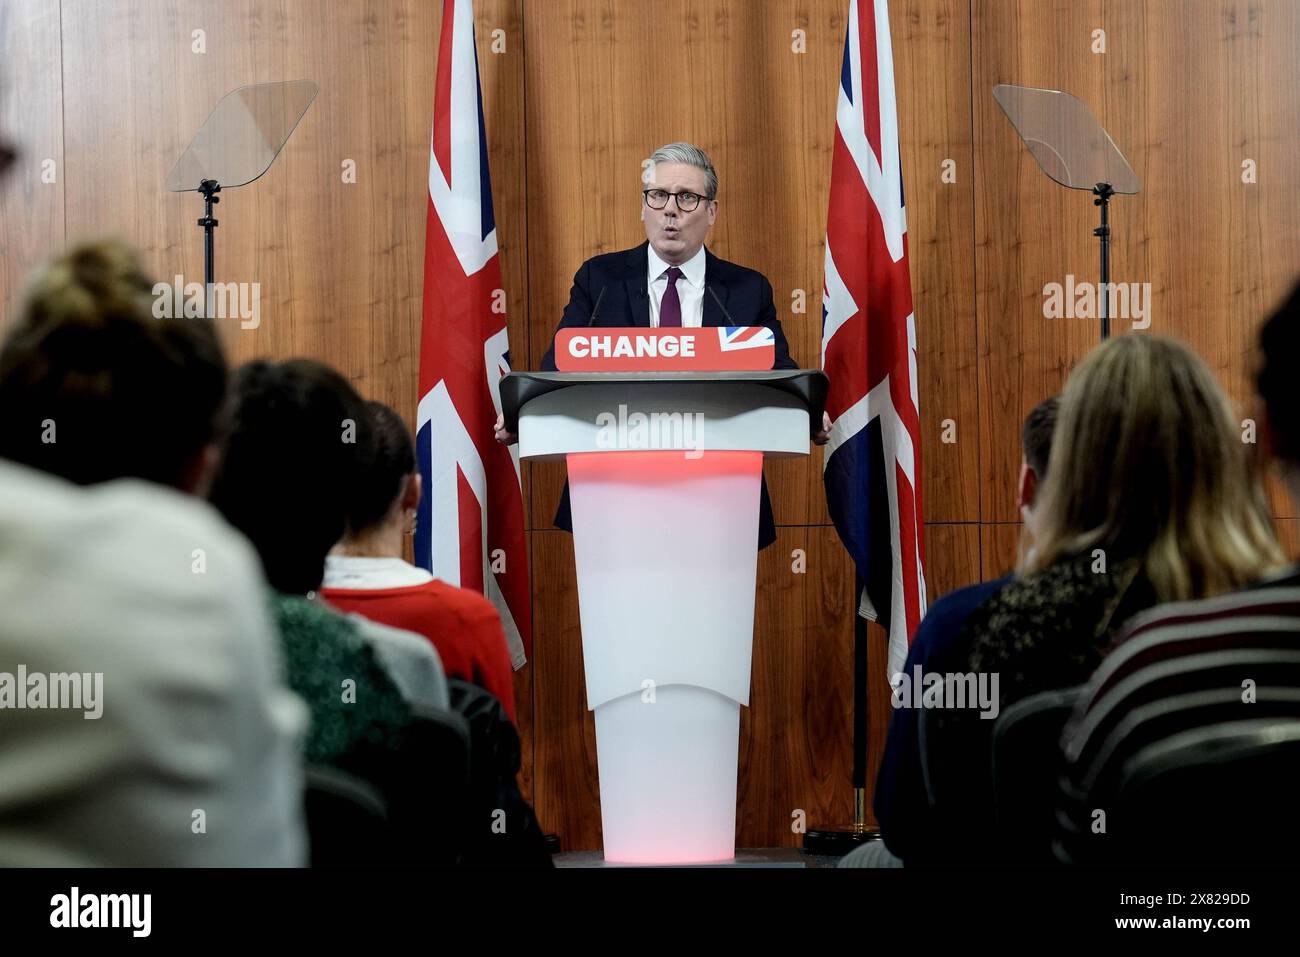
[999,549]
[134,95]
[1188,91]
[565,788]
[794,736]
[31,116]
[1219,252]
[1028,230]
[952,557]
[339,264]
[932,70]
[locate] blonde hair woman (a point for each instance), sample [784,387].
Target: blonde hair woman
[1148,411]
[1152,497]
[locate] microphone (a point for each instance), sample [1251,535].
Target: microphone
[596,308]
[727,315]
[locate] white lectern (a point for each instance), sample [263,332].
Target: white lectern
[664,472]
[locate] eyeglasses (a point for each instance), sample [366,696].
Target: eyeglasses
[658,199]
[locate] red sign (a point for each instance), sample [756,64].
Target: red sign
[635,349]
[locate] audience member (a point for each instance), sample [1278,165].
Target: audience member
[1150,497]
[1185,668]
[366,573]
[298,446]
[93,387]
[908,828]
[145,720]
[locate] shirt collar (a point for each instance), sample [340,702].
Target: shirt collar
[357,571]
[692,269]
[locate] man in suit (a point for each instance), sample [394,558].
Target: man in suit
[673,280]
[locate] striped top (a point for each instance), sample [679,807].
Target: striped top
[1178,668]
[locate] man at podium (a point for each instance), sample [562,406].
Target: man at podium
[664,541]
[673,280]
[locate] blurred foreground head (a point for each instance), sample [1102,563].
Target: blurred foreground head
[93,387]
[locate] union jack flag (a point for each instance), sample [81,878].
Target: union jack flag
[745,337]
[873,460]
[470,525]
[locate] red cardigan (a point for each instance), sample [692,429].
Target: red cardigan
[462,624]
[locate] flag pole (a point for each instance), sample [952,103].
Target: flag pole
[839,839]
[860,744]
[873,494]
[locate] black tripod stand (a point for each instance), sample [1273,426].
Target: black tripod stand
[1104,193]
[209,188]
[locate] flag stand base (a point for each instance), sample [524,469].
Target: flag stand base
[839,839]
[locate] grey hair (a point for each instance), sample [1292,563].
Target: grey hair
[691,155]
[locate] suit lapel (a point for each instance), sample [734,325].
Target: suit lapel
[713,315]
[638,297]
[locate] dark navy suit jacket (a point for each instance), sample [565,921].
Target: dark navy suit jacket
[910,828]
[625,301]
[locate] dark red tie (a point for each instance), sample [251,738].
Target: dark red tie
[670,310]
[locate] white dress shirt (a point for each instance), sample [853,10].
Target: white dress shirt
[363,571]
[690,288]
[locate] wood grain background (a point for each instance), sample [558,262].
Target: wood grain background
[109,93]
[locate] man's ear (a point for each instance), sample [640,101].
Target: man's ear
[1026,487]
[713,211]
[411,489]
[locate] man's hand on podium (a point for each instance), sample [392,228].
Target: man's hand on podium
[504,437]
[824,436]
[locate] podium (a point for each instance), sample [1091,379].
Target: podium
[664,477]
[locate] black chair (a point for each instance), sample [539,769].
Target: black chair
[347,819]
[1175,704]
[422,773]
[1222,795]
[498,828]
[1026,767]
[959,787]
[431,796]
